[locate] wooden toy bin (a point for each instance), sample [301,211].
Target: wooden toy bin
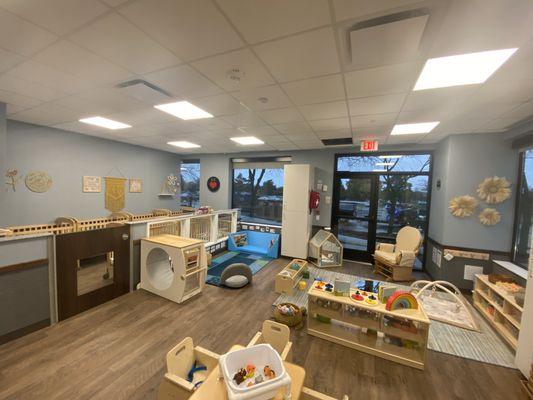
[180,360]
[277,335]
[286,283]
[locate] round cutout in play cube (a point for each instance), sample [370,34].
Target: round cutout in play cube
[159,269]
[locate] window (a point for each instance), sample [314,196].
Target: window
[190,183]
[524,211]
[385,163]
[258,190]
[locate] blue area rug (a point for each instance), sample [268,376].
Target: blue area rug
[254,261]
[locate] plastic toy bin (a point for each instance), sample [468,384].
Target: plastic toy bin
[259,355]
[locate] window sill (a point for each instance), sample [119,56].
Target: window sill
[515,269]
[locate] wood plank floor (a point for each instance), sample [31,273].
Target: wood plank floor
[117,351]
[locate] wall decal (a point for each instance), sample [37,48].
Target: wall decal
[115,196]
[13,178]
[170,186]
[136,186]
[489,217]
[462,206]
[213,184]
[494,190]
[92,184]
[38,181]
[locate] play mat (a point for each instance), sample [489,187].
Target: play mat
[254,261]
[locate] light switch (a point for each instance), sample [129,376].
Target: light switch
[328,199]
[324,188]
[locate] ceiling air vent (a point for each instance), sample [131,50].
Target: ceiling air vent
[337,141]
[388,39]
[144,91]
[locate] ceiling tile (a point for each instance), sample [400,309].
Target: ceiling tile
[426,115]
[372,132]
[183,81]
[499,92]
[465,124]
[17,100]
[497,125]
[398,78]
[8,59]
[219,68]
[58,16]
[285,147]
[22,37]
[348,9]
[275,98]
[293,127]
[303,56]
[330,124]
[114,3]
[335,134]
[373,120]
[336,109]
[259,20]
[221,104]
[149,116]
[484,110]
[212,124]
[245,119]
[301,136]
[315,90]
[281,116]
[121,42]
[178,126]
[50,77]
[376,104]
[100,101]
[443,98]
[521,112]
[191,29]
[72,59]
[47,114]
[259,131]
[11,83]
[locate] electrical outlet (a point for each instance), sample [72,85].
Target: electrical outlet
[470,271]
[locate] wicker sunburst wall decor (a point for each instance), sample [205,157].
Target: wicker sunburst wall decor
[489,217]
[462,206]
[494,190]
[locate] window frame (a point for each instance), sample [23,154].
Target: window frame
[519,183]
[191,161]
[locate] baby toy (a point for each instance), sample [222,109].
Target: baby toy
[401,300]
[328,287]
[372,300]
[357,296]
[302,285]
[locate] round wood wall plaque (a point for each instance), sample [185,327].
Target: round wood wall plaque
[38,181]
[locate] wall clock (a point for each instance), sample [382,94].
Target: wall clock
[213,184]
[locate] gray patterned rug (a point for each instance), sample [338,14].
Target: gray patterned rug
[484,346]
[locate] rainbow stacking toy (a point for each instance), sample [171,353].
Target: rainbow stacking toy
[400,301]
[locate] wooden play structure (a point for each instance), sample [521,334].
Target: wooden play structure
[395,261]
[325,250]
[399,335]
[444,302]
[173,267]
[498,308]
[288,278]
[277,335]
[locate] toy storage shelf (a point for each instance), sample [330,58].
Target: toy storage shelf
[402,337]
[500,309]
[287,279]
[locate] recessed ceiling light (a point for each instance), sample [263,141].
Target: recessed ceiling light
[247,140]
[104,123]
[393,156]
[409,129]
[184,110]
[383,164]
[184,145]
[464,69]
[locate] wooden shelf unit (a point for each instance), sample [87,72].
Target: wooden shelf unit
[287,283]
[499,309]
[356,325]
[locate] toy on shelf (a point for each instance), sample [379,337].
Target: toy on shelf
[342,288]
[325,250]
[173,267]
[384,292]
[289,277]
[401,301]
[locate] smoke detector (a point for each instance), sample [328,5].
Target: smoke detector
[263,100]
[235,74]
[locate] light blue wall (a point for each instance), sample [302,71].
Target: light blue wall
[3,147]
[462,162]
[67,156]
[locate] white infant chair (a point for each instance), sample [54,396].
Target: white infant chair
[277,335]
[180,360]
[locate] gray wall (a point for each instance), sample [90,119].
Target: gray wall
[67,156]
[323,160]
[3,147]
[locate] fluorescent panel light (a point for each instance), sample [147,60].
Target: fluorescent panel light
[464,69]
[184,145]
[104,123]
[247,140]
[379,170]
[184,110]
[393,156]
[383,164]
[408,129]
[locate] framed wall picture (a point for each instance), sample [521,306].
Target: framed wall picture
[92,184]
[213,184]
[136,185]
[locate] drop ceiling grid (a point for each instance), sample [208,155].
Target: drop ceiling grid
[222,91]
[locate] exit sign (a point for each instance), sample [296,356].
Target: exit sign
[369,145]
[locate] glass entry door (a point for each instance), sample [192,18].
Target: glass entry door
[354,214]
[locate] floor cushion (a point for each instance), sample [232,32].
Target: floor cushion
[236,275]
[236,281]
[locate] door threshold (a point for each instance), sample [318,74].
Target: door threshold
[359,262]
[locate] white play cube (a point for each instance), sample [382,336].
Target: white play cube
[258,355]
